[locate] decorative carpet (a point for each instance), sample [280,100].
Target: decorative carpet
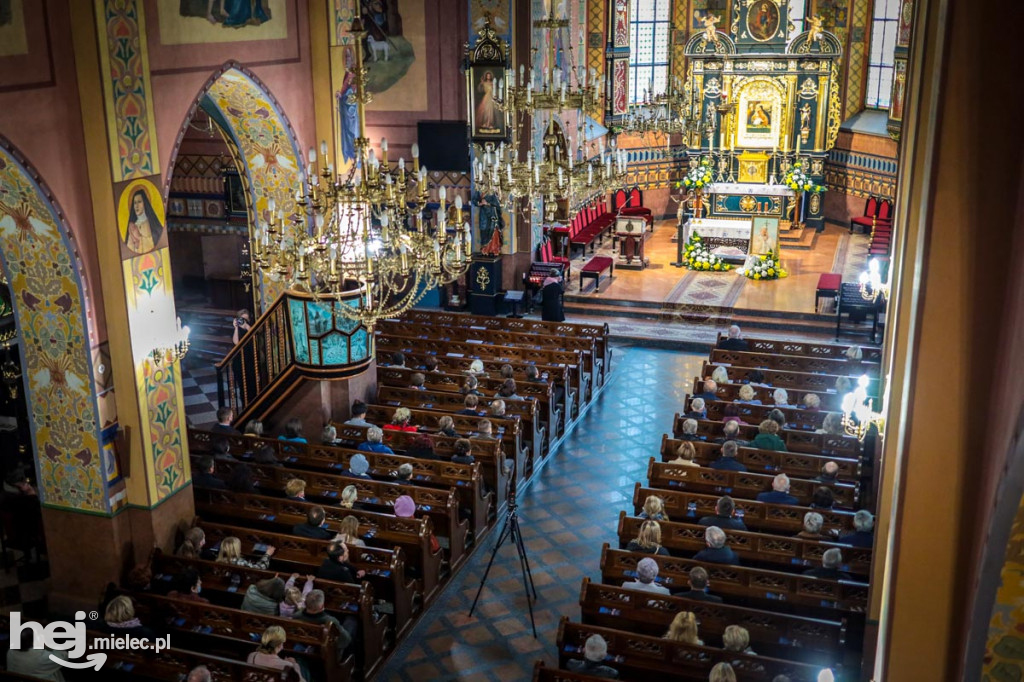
[577,262]
[718,289]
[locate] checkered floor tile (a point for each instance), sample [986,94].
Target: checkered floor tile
[199,388]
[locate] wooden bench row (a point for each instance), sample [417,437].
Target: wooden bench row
[797,441]
[797,464]
[729,392]
[834,351]
[795,363]
[804,381]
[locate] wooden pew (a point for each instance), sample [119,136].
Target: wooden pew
[800,464]
[534,429]
[804,381]
[797,419]
[741,484]
[385,568]
[379,530]
[643,657]
[542,673]
[440,505]
[809,349]
[488,453]
[342,599]
[508,431]
[174,665]
[592,361]
[797,441]
[730,392]
[579,371]
[776,551]
[795,363]
[774,590]
[566,380]
[773,634]
[225,631]
[549,410]
[689,507]
[599,332]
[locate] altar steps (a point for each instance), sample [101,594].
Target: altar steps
[800,240]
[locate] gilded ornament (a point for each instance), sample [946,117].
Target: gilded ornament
[482,279]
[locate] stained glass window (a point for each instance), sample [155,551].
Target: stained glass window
[884,26]
[649,31]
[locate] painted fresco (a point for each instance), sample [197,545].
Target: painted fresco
[267,148]
[13,40]
[184,22]
[500,12]
[702,8]
[50,312]
[140,219]
[394,54]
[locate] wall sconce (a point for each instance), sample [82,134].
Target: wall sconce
[173,352]
[871,284]
[858,415]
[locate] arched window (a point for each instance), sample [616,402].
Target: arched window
[649,30]
[884,27]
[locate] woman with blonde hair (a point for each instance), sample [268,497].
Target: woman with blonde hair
[736,639]
[832,424]
[684,629]
[295,489]
[720,375]
[231,553]
[767,437]
[254,428]
[746,395]
[686,453]
[812,402]
[654,509]
[446,426]
[192,547]
[348,497]
[119,619]
[400,420]
[268,654]
[648,539]
[722,672]
[348,532]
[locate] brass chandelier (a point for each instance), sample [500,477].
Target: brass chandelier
[561,171]
[665,113]
[365,230]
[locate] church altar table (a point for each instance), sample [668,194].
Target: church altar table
[726,237]
[746,200]
[748,188]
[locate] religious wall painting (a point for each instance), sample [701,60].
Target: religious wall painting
[620,23]
[764,235]
[498,12]
[758,119]
[760,106]
[13,38]
[763,20]
[906,23]
[702,9]
[140,219]
[487,120]
[899,86]
[221,21]
[394,54]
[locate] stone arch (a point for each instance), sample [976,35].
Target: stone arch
[263,142]
[39,258]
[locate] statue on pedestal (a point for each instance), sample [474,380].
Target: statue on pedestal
[491,223]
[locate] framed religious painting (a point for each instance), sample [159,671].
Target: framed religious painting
[763,18]
[486,86]
[760,103]
[764,235]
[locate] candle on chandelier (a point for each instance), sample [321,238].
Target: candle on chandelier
[323,147]
[590,174]
[536,175]
[508,170]
[312,155]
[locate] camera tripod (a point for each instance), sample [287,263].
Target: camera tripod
[511,529]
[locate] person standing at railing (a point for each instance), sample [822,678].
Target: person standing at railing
[241,324]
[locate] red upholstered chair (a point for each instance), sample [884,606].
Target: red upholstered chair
[885,212]
[619,198]
[870,214]
[636,198]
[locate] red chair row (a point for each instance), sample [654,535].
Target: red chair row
[589,225]
[631,203]
[877,212]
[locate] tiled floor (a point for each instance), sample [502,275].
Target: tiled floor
[565,515]
[199,389]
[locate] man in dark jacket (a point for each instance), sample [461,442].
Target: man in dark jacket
[336,565]
[779,493]
[716,552]
[314,613]
[734,340]
[314,525]
[728,461]
[863,534]
[699,586]
[204,477]
[723,517]
[831,561]
[223,425]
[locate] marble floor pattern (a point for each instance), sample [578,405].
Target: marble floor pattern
[569,510]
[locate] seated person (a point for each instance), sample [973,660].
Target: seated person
[484,430]
[476,368]
[265,455]
[723,672]
[470,386]
[710,391]
[35,663]
[203,476]
[295,489]
[421,446]
[400,421]
[222,450]
[231,553]
[654,509]
[224,417]
[404,473]
[780,397]
[734,340]
[469,405]
[314,526]
[646,575]
[268,653]
[716,552]
[724,516]
[832,424]
[728,461]
[863,534]
[373,443]
[405,508]
[506,371]
[359,410]
[357,467]
[779,417]
[731,413]
[595,651]
[446,426]
[329,436]
[813,522]
[264,597]
[192,547]
[119,619]
[462,452]
[253,428]
[243,480]
[187,586]
[767,437]
[684,629]
[812,402]
[497,409]
[731,432]
[699,587]
[831,562]
[779,494]
[721,375]
[348,532]
[417,381]
[350,498]
[755,377]
[823,498]
[648,539]
[698,410]
[686,454]
[397,360]
[508,390]
[430,364]
[337,567]
[533,374]
[293,431]
[315,612]
[736,639]
[294,599]
[747,395]
[690,430]
[829,473]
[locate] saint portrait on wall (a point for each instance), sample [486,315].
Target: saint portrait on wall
[759,117]
[140,216]
[230,13]
[763,20]
[488,120]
